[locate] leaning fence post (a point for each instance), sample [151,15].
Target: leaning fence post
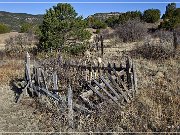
[128,67]
[55,82]
[27,67]
[70,107]
[27,71]
[134,76]
[102,46]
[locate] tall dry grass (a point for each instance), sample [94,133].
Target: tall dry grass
[10,69]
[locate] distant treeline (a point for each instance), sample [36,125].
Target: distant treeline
[171,18]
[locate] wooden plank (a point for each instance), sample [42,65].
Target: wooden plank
[88,103]
[24,91]
[134,76]
[70,107]
[117,86]
[55,82]
[27,67]
[102,46]
[121,83]
[109,68]
[94,67]
[113,98]
[81,108]
[128,72]
[57,98]
[96,91]
[109,86]
[87,94]
[43,79]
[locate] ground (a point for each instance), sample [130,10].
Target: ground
[5,36]
[155,108]
[15,117]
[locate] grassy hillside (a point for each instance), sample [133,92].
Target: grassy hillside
[14,20]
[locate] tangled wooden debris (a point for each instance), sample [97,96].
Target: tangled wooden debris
[87,86]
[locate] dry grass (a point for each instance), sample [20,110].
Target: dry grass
[5,36]
[10,69]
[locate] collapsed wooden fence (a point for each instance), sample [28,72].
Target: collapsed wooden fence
[100,84]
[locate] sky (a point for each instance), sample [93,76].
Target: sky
[85,9]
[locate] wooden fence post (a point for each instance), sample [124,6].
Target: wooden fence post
[55,82]
[128,67]
[27,72]
[70,107]
[27,67]
[102,46]
[134,76]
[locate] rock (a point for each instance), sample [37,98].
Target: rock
[159,75]
[87,53]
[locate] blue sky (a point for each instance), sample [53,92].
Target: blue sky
[84,9]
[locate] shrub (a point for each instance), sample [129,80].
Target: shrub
[132,30]
[164,36]
[4,29]
[95,23]
[154,50]
[60,27]
[18,44]
[112,21]
[151,15]
[171,18]
[170,8]
[26,27]
[76,49]
[105,33]
[97,31]
[131,15]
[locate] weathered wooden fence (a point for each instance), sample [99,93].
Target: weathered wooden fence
[99,84]
[98,44]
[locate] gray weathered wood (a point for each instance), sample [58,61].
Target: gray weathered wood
[113,98]
[88,102]
[128,72]
[43,79]
[57,98]
[55,82]
[118,88]
[24,92]
[70,107]
[82,108]
[96,91]
[87,94]
[121,83]
[109,86]
[27,67]
[134,76]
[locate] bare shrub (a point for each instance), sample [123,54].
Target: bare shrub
[132,30]
[164,36]
[105,33]
[154,50]
[18,44]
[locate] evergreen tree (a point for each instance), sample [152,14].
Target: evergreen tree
[62,27]
[151,15]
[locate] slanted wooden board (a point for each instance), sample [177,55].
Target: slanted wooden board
[109,86]
[113,98]
[117,86]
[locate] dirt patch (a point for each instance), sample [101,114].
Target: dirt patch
[15,117]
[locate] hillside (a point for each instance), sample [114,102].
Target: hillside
[14,20]
[104,16]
